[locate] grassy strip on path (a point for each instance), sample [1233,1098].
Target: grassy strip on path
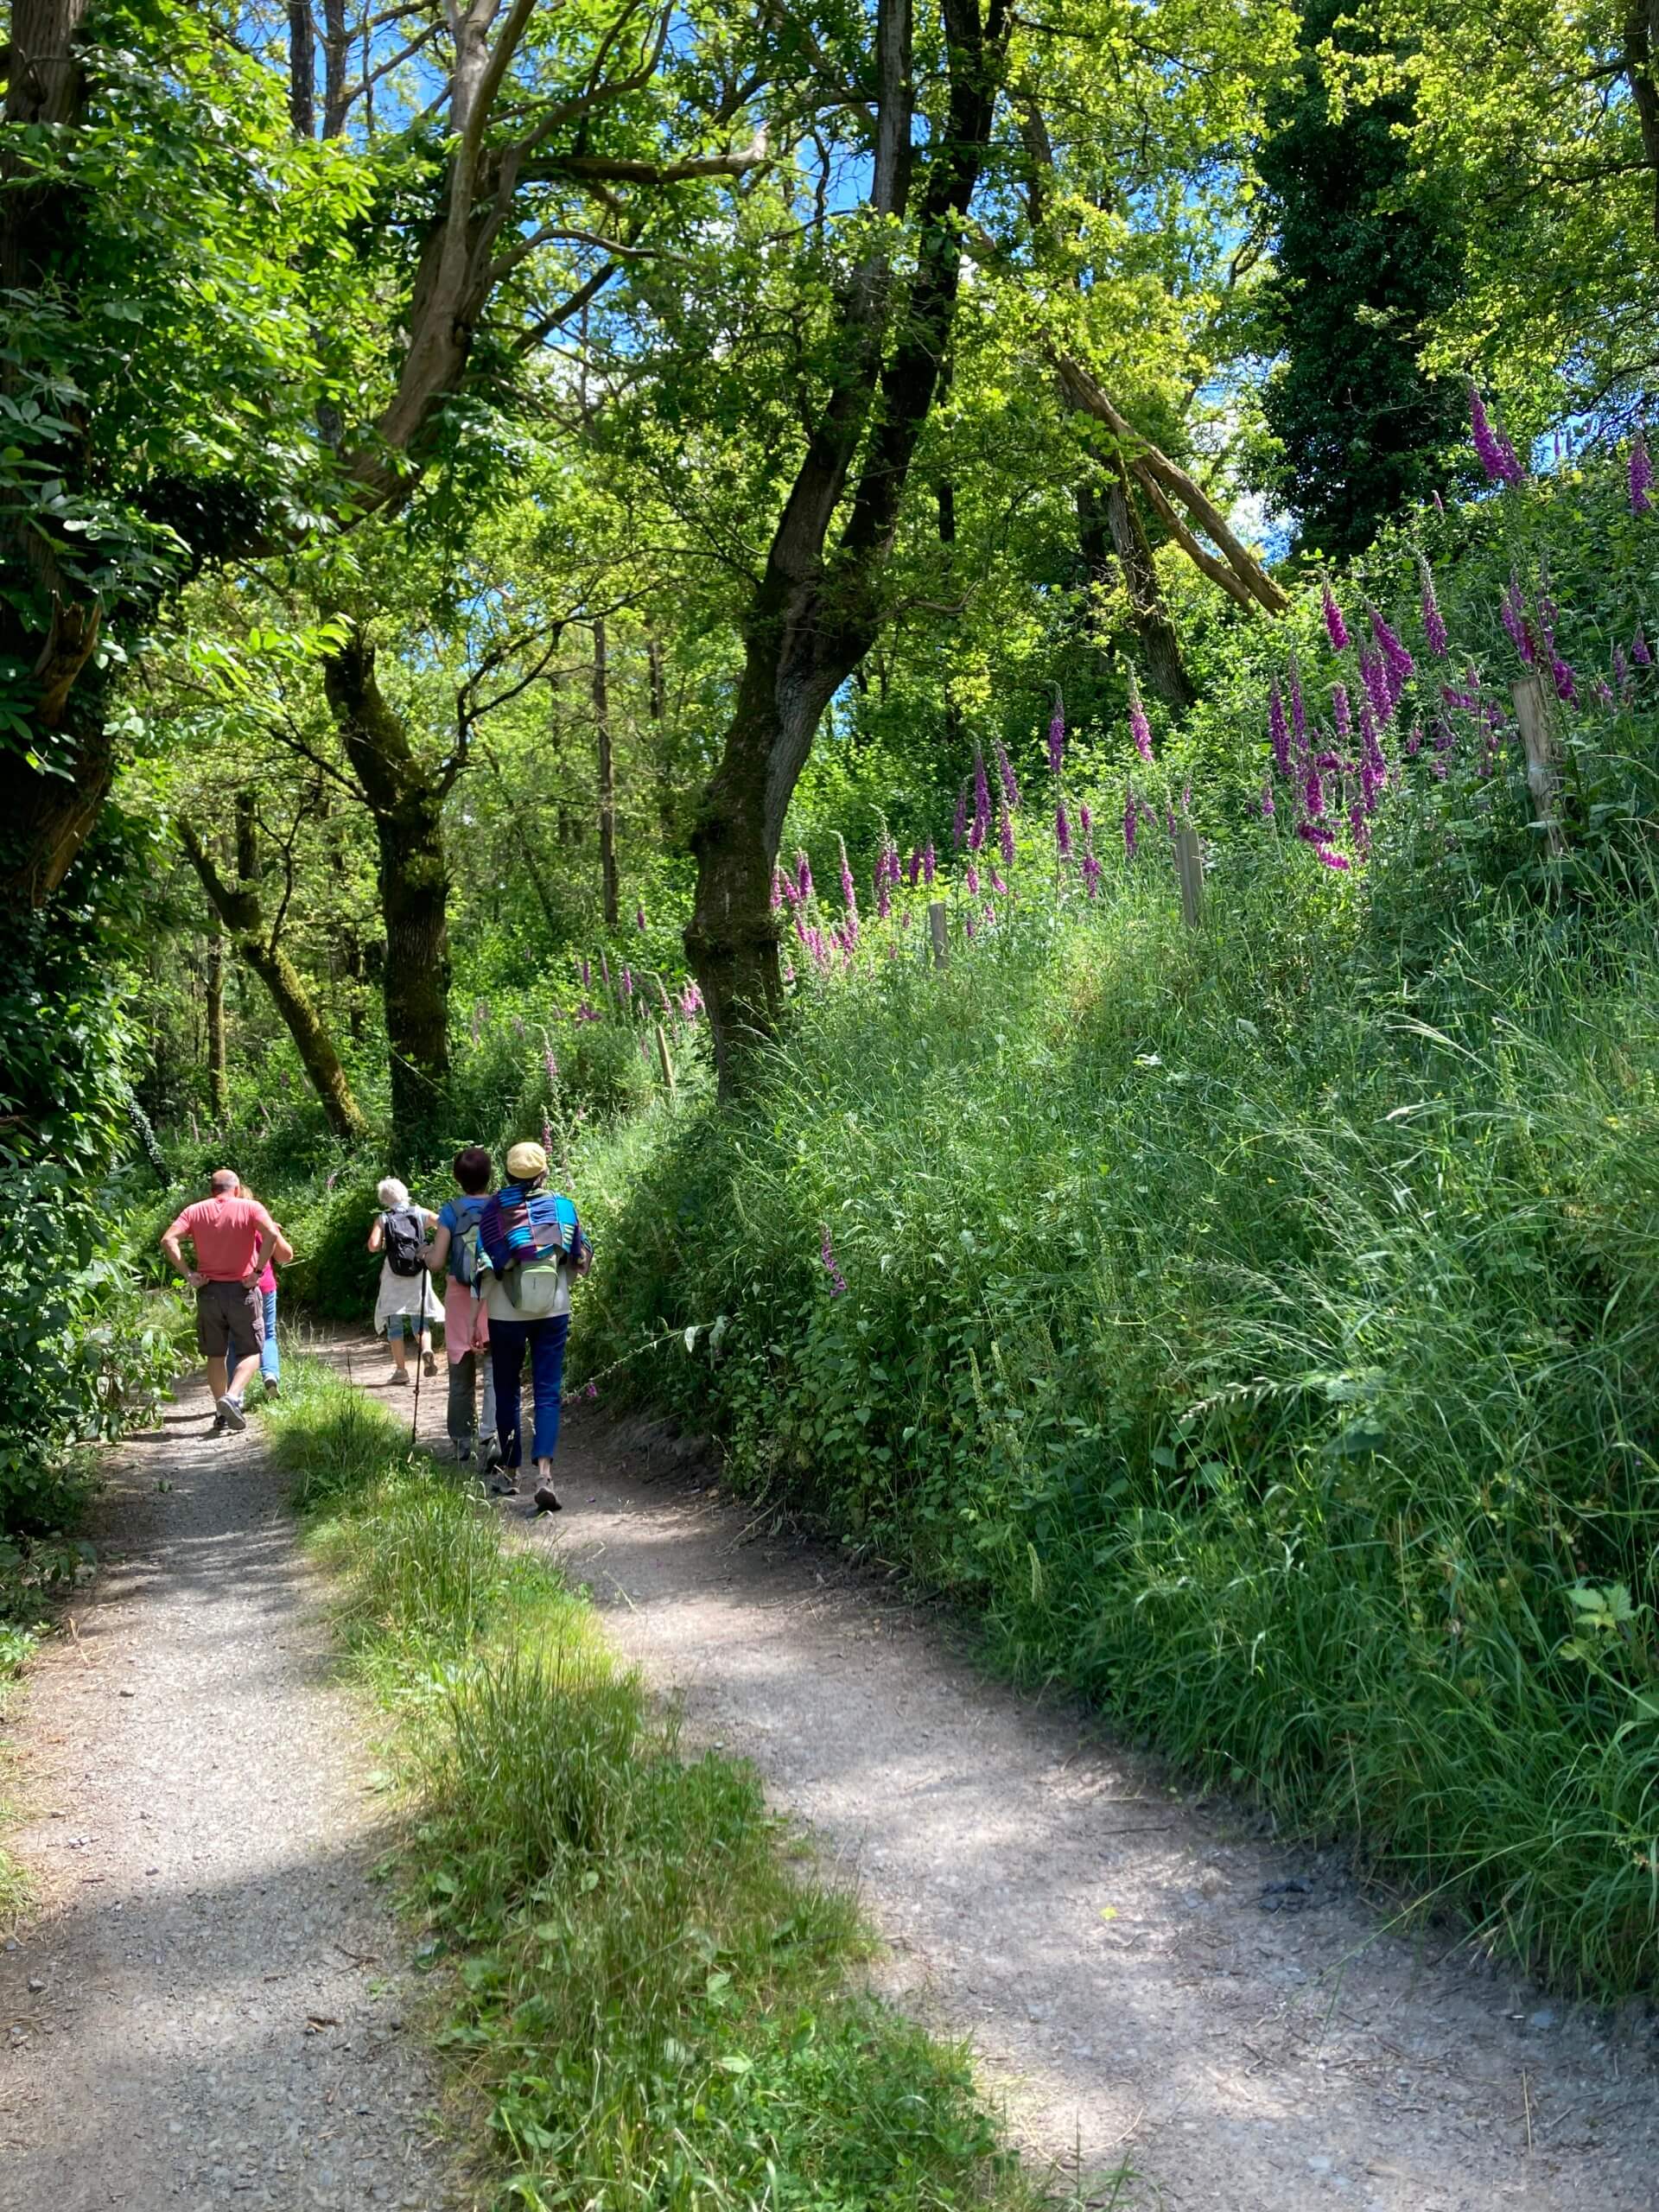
[660,2002]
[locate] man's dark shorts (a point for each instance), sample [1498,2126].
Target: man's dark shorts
[230,1320]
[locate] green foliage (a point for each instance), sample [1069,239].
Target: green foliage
[658,2005]
[1253,1326]
[1363,258]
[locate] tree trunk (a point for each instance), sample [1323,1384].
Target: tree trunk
[219,1092]
[609,889]
[239,908]
[813,618]
[1640,26]
[406,801]
[301,68]
[1161,644]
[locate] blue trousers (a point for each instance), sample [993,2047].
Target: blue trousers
[545,1343]
[270,1366]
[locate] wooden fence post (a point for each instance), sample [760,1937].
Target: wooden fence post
[1533,712]
[1189,866]
[938,928]
[664,1060]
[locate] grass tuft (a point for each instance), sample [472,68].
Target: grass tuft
[660,2001]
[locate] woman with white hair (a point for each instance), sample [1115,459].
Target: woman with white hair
[407,1301]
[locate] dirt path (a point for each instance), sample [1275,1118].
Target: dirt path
[209,2010]
[1142,1979]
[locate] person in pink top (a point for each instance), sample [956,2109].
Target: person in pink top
[270,1371]
[233,1237]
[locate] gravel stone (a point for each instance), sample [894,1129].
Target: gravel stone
[215,1894]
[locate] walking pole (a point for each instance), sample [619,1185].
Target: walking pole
[420,1361]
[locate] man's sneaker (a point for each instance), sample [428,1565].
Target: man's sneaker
[273,1387]
[489,1454]
[464,1453]
[505,1482]
[221,1428]
[545,1501]
[400,1378]
[431,1363]
[231,1413]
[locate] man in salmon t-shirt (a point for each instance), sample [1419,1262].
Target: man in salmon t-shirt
[233,1238]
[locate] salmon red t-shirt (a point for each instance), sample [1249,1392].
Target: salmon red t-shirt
[225,1233]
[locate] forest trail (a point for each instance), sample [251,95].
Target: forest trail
[209,2010]
[1142,1979]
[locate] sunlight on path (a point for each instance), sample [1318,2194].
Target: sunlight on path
[209,2011]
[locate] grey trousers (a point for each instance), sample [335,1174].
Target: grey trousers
[463,1389]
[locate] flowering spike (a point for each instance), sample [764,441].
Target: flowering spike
[929,861]
[970,877]
[1641,476]
[1057,738]
[1062,832]
[959,821]
[1433,621]
[1513,609]
[1497,456]
[982,798]
[640,918]
[1266,799]
[1278,732]
[827,1253]
[776,888]
[1010,783]
[803,877]
[1139,727]
[1005,838]
[1639,652]
[1400,663]
[1340,709]
[1335,628]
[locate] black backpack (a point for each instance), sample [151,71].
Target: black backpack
[405,1236]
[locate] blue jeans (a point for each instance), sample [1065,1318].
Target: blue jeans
[270,1365]
[545,1342]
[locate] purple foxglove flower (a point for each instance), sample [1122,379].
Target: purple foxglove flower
[1139,727]
[1313,796]
[1335,628]
[1056,740]
[969,924]
[998,886]
[1298,707]
[929,861]
[1090,874]
[1130,822]
[1359,828]
[1414,742]
[827,1253]
[1639,652]
[1314,833]
[970,877]
[1400,665]
[1085,822]
[1513,609]
[1433,621]
[1278,734]
[915,866]
[1641,476]
[1062,832]
[1437,769]
[883,899]
[1186,798]
[1497,455]
[1005,838]
[547,1136]
[1339,708]
[1267,799]
[1328,856]
[959,821]
[1603,692]
[627,983]
[848,892]
[1440,504]
[640,918]
[789,972]
[587,973]
[1621,667]
[1010,783]
[1374,678]
[1370,745]
[777,899]
[982,800]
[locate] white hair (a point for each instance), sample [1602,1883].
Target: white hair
[392,1193]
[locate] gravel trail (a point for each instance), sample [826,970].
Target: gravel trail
[1143,1979]
[209,2010]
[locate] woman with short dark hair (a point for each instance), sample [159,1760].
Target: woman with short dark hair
[465,1322]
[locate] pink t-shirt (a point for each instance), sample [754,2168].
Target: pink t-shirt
[225,1233]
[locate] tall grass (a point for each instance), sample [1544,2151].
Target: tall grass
[660,2003]
[1257,1326]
